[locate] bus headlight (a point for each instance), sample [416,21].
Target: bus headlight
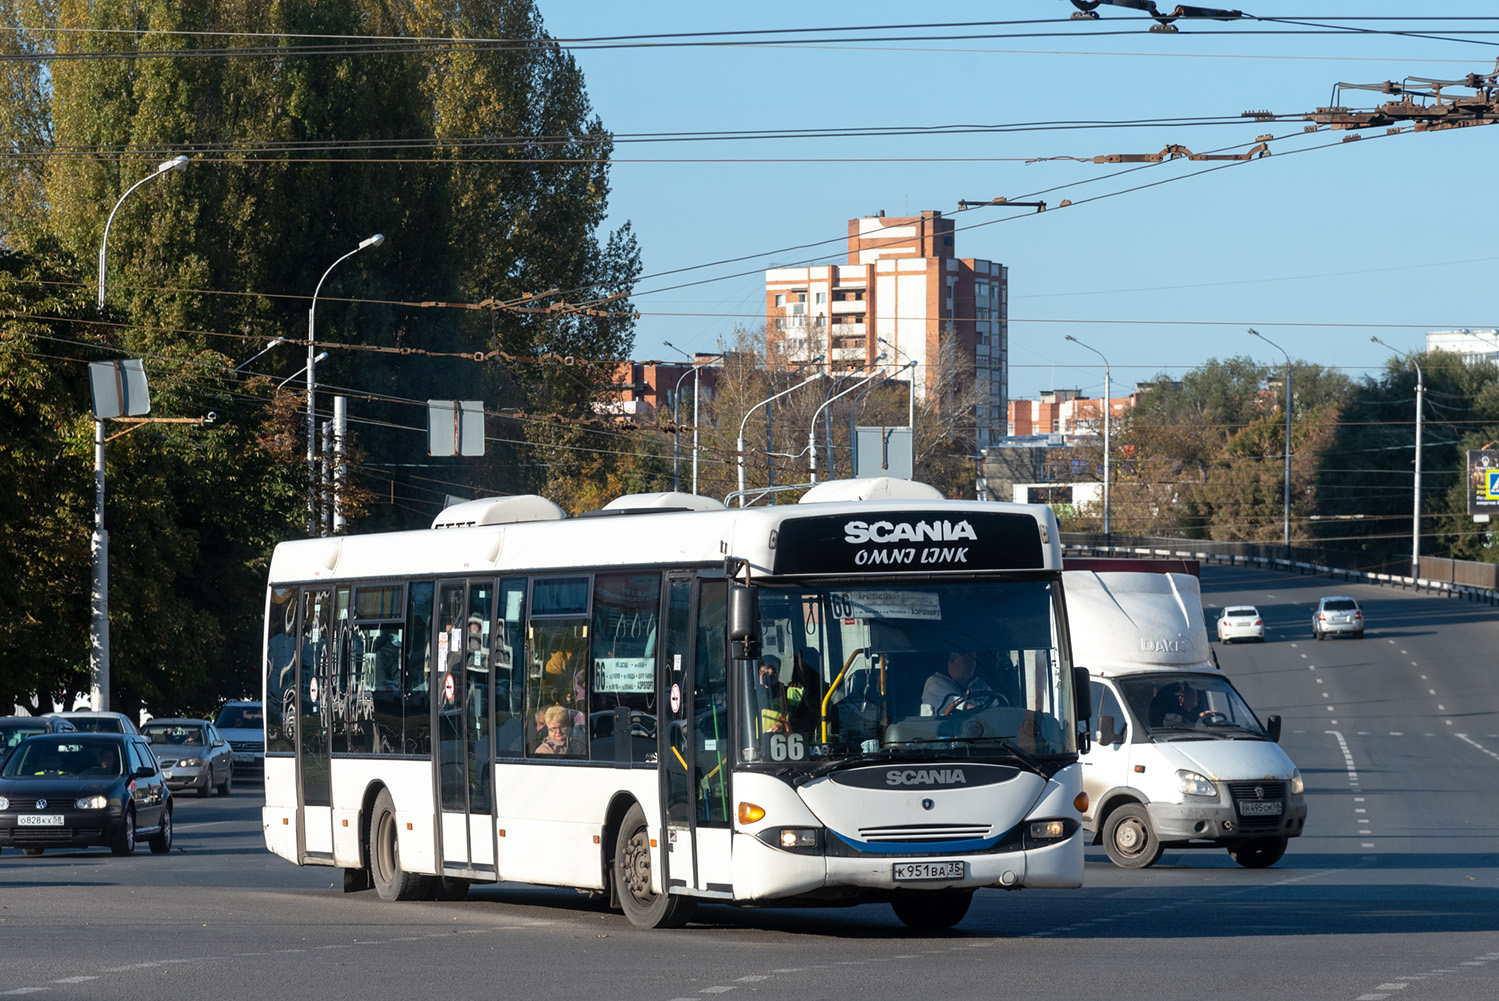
[1194,784]
[1044,833]
[92,803]
[798,837]
[1297,786]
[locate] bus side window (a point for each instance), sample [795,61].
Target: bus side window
[711,705]
[509,669]
[415,704]
[622,698]
[281,650]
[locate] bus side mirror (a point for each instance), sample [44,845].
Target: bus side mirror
[744,621]
[1107,735]
[1272,728]
[1082,693]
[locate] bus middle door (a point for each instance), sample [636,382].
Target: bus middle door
[306,701]
[462,724]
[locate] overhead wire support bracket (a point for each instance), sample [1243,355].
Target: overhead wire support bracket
[1175,151]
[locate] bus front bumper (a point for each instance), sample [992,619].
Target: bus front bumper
[765,873]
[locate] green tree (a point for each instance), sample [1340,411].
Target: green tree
[485,169]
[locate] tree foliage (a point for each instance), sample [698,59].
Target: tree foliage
[484,167]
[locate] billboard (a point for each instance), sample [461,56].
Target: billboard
[1483,481]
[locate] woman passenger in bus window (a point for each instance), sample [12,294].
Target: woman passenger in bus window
[558,722]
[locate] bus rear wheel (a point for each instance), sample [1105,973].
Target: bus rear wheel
[391,881]
[933,910]
[632,878]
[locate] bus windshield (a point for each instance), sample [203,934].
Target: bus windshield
[857,670]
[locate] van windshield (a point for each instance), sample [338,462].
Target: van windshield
[1168,704]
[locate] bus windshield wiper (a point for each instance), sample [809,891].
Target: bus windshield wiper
[1025,757]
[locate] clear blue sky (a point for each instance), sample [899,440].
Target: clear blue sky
[1316,248]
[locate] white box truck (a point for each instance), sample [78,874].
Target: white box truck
[1178,759]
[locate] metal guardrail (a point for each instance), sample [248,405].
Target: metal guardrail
[1488,596]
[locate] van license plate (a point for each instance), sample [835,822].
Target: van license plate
[906,872]
[39,820]
[1260,808]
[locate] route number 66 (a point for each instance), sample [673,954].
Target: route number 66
[787,747]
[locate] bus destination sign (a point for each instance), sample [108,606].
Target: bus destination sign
[909,541]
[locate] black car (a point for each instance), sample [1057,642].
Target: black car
[75,790]
[14,729]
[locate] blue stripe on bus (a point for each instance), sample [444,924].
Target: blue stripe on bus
[918,847]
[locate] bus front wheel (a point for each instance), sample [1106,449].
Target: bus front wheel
[632,877]
[391,881]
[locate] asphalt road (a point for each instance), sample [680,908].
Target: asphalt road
[1392,893]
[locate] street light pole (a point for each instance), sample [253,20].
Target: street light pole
[312,478]
[697,388]
[770,462]
[1108,393]
[98,653]
[1416,509]
[165,167]
[1286,532]
[676,438]
[739,445]
[812,430]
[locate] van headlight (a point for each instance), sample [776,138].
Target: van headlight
[1193,784]
[1297,786]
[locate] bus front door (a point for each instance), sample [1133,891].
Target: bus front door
[694,744]
[461,690]
[676,751]
[310,690]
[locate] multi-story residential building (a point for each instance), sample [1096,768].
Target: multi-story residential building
[642,388]
[1064,411]
[903,292]
[1473,345]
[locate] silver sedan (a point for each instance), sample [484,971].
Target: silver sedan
[192,755]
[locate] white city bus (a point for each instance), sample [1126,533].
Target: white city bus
[671,701]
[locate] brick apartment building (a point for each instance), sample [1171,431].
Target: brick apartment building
[643,388]
[904,292]
[1063,411]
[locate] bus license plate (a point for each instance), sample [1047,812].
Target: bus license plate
[39,820]
[1258,808]
[906,872]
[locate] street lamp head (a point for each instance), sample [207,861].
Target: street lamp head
[373,241]
[320,357]
[1069,337]
[175,163]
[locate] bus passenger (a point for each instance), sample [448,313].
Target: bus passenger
[558,722]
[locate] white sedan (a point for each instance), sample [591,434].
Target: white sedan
[1241,622]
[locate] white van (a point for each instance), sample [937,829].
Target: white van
[1178,759]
